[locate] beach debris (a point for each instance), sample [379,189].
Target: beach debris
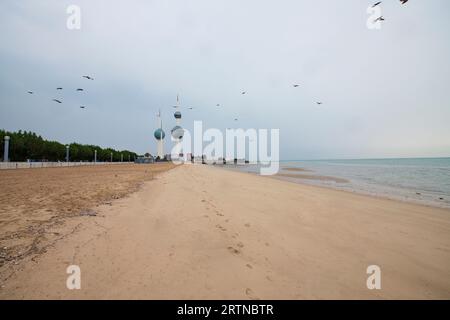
[441,198]
[88,212]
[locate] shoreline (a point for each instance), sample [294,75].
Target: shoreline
[310,182]
[227,235]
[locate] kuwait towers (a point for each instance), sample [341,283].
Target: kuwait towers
[159,135]
[177,131]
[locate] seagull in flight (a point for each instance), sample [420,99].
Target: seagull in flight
[88,77]
[190,108]
[79,89]
[82,107]
[243,92]
[235,119]
[217,105]
[379,19]
[59,88]
[403,1]
[30,92]
[56,100]
[319,103]
[376,4]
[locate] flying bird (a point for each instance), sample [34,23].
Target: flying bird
[56,100]
[30,92]
[379,19]
[243,92]
[190,108]
[376,4]
[59,88]
[82,107]
[403,1]
[88,77]
[217,105]
[319,103]
[79,89]
[235,119]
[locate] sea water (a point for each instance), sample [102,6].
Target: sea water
[420,180]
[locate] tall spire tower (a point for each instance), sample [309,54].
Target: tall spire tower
[177,131]
[159,136]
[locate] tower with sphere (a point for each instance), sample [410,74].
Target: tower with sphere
[177,132]
[159,136]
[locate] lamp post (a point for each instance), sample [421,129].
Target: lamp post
[6,150]
[121,157]
[111,157]
[95,156]
[67,153]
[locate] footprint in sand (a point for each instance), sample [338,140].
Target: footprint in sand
[249,293]
[240,245]
[247,225]
[248,265]
[220,227]
[233,250]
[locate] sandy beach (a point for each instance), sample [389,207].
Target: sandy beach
[199,232]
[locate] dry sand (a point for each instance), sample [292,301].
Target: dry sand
[35,203]
[199,232]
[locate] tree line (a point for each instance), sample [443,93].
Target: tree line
[24,146]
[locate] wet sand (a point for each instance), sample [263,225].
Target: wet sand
[295,169]
[311,177]
[199,232]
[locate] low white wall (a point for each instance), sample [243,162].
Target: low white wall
[31,165]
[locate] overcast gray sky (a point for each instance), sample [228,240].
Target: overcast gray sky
[385,92]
